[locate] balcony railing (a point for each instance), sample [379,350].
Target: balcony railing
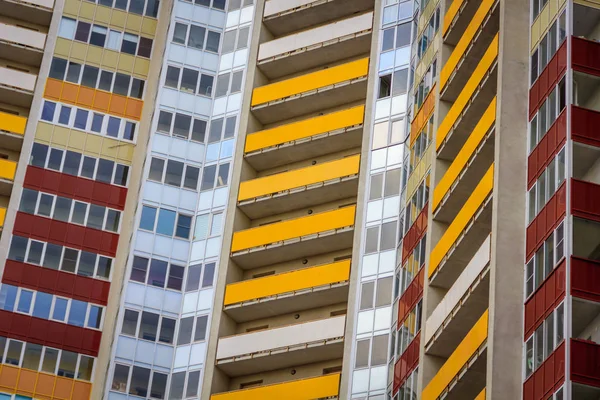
[584,126]
[41,385]
[585,55]
[302,389]
[585,278]
[287,282]
[407,363]
[21,36]
[7,170]
[585,362]
[12,123]
[2,216]
[18,80]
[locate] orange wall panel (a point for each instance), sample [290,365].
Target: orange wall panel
[134,108]
[117,105]
[45,385]
[26,382]
[101,101]
[69,93]
[53,89]
[86,97]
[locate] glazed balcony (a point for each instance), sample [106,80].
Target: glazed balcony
[301,140]
[312,92]
[471,47]
[282,17]
[25,46]
[16,86]
[300,188]
[37,11]
[291,239]
[12,129]
[288,292]
[462,376]
[303,389]
[321,45]
[281,347]
[468,107]
[467,169]
[464,236]
[461,306]
[7,176]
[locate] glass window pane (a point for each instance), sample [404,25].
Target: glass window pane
[18,246]
[121,85]
[96,217]
[148,326]
[208,177]
[200,332]
[174,173]
[206,85]
[52,256]
[94,317]
[212,42]
[138,269]
[120,376]
[167,330]
[189,80]
[35,253]
[104,267]
[130,319]
[191,178]
[172,77]
[158,273]
[196,39]
[13,353]
[25,299]
[177,382]
[193,278]
[49,361]
[66,367]
[185,331]
[8,296]
[175,277]
[60,309]
[179,33]
[39,152]
[41,308]
[209,272]
[86,366]
[159,385]
[166,222]
[105,171]
[193,384]
[148,217]
[77,313]
[69,262]
[182,125]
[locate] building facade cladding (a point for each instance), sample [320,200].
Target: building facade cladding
[161,333]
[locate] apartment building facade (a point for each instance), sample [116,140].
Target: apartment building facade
[298,199]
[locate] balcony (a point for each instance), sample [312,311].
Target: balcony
[314,47]
[2,216]
[41,385]
[470,48]
[25,46]
[281,347]
[37,11]
[303,389]
[467,169]
[7,176]
[300,188]
[312,92]
[585,362]
[464,235]
[469,106]
[461,306]
[584,42]
[312,137]
[288,292]
[406,364]
[291,239]
[12,129]
[16,86]
[463,374]
[548,377]
[282,17]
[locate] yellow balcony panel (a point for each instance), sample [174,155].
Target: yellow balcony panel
[283,17]
[288,292]
[281,347]
[467,168]
[12,129]
[40,385]
[306,138]
[300,237]
[299,188]
[302,389]
[16,86]
[457,18]
[320,90]
[471,46]
[463,236]
[461,305]
[7,176]
[2,216]
[469,106]
[463,374]
[321,45]
[481,395]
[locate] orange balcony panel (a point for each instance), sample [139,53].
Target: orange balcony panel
[40,385]
[101,101]
[81,390]
[422,116]
[298,178]
[45,385]
[294,228]
[69,93]
[134,108]
[63,388]
[8,378]
[26,382]
[53,89]
[117,105]
[85,97]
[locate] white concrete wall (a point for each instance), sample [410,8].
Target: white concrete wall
[281,337]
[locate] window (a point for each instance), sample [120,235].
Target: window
[148,326]
[189,80]
[385,84]
[82,32]
[58,68]
[98,37]
[67,28]
[547,257]
[206,84]
[180,33]
[212,41]
[544,340]
[196,39]
[120,377]
[129,43]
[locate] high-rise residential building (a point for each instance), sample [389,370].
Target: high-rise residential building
[299,199]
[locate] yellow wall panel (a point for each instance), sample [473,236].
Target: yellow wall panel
[118,18]
[287,282]
[481,396]
[149,26]
[134,22]
[110,59]
[103,15]
[71,8]
[304,128]
[311,81]
[426,61]
[62,47]
[464,351]
[426,15]
[87,11]
[460,161]
[462,219]
[419,173]
[12,123]
[94,56]
[109,148]
[293,228]
[126,63]
[60,135]
[93,144]
[310,388]
[451,14]
[77,141]
[43,132]
[126,153]
[79,51]
[298,178]
[141,67]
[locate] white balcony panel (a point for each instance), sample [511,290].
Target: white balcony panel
[273,7]
[17,79]
[479,261]
[22,36]
[315,36]
[285,336]
[42,3]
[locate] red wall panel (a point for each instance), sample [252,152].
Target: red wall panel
[545,299]
[584,126]
[546,221]
[56,282]
[414,233]
[65,234]
[49,333]
[585,278]
[547,378]
[585,362]
[75,187]
[584,200]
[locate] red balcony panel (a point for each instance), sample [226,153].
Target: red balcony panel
[543,82]
[49,333]
[551,212]
[546,149]
[547,378]
[533,99]
[415,233]
[530,241]
[561,56]
[585,278]
[546,221]
[541,221]
[65,234]
[412,295]
[75,187]
[407,363]
[532,168]
[584,126]
[585,362]
[585,55]
[545,299]
[584,199]
[56,282]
